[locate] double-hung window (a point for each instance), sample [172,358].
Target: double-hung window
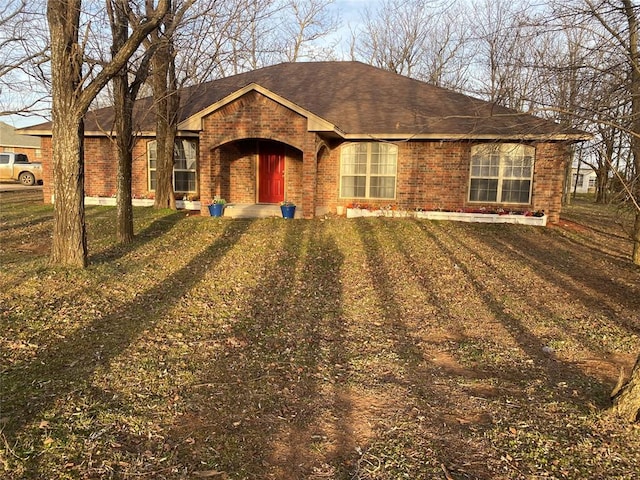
[577,179]
[184,165]
[368,170]
[501,173]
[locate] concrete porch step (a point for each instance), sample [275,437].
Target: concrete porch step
[258,210]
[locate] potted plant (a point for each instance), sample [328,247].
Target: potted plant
[216,208]
[288,209]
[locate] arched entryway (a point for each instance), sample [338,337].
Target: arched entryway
[253,171]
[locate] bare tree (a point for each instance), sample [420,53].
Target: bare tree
[504,48]
[72,93]
[23,55]
[614,24]
[424,39]
[305,22]
[164,83]
[124,99]
[629,43]
[392,36]
[615,30]
[446,60]
[126,85]
[207,45]
[626,397]
[250,43]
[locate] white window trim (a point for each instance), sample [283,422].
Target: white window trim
[368,174]
[501,149]
[173,176]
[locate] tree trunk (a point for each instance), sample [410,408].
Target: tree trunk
[124,141]
[568,183]
[602,184]
[626,396]
[634,58]
[123,124]
[164,197]
[636,238]
[69,246]
[70,101]
[173,104]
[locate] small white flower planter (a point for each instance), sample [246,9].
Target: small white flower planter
[363,212]
[140,202]
[483,218]
[188,204]
[109,201]
[451,216]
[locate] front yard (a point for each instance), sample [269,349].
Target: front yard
[370,348]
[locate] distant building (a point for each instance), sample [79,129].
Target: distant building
[586,180]
[12,142]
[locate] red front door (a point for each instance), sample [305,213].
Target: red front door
[271,174]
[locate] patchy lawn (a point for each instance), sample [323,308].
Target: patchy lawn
[325,349]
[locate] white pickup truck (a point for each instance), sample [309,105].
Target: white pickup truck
[16,166]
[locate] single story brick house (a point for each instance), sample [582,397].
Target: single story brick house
[326,134]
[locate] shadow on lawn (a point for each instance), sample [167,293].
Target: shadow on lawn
[257,412]
[156,228]
[29,223]
[598,218]
[29,390]
[577,275]
[415,372]
[554,371]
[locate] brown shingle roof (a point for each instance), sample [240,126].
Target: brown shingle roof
[362,100]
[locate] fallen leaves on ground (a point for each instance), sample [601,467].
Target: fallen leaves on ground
[349,349]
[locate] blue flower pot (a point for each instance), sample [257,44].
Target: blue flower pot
[288,211]
[216,209]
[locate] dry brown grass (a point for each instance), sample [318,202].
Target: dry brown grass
[332,348]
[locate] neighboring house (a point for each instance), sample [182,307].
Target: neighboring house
[583,180]
[326,134]
[12,142]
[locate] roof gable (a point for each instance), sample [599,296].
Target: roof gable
[314,122]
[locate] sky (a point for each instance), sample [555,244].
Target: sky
[349,11]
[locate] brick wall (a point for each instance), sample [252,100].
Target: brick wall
[28,151]
[229,144]
[238,167]
[435,175]
[430,175]
[47,169]
[100,168]
[551,159]
[140,169]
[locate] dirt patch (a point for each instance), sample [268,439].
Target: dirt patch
[569,225]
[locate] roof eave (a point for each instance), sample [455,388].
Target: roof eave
[101,133]
[555,137]
[34,133]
